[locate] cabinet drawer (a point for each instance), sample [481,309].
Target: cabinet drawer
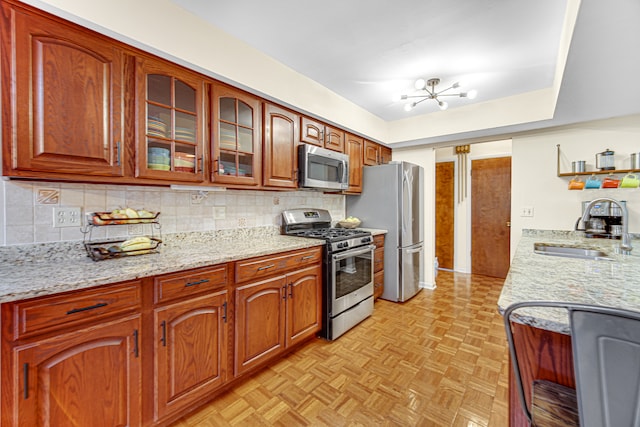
[177,285]
[36,316]
[274,264]
[378,240]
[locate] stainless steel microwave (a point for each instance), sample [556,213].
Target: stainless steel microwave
[323,169]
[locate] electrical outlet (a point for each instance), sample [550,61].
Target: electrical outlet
[67,217]
[526,211]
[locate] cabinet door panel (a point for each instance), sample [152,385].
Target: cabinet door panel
[371,153]
[334,139]
[191,351]
[311,132]
[354,149]
[68,98]
[260,322]
[280,147]
[303,306]
[89,377]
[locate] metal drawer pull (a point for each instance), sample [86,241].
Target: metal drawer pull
[199,282]
[308,257]
[91,307]
[25,371]
[224,316]
[266,267]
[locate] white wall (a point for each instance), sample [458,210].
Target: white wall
[534,174]
[425,157]
[462,209]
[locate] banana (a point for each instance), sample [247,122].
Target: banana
[136,244]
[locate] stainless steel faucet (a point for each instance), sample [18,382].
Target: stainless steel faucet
[625,242]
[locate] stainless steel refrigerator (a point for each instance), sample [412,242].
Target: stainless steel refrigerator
[392,199]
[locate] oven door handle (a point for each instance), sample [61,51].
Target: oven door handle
[353,252]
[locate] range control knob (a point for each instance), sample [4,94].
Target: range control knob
[365,239]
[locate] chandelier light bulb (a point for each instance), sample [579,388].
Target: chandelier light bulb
[472,94]
[408,107]
[396,98]
[420,84]
[456,85]
[443,105]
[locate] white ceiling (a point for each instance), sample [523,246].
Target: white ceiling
[369,50]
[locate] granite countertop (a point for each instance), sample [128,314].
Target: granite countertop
[534,277]
[45,269]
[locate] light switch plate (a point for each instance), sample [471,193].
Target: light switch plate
[67,217]
[527,211]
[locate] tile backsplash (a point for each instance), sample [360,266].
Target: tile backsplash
[27,209]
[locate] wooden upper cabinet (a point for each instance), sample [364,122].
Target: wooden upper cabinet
[170,136]
[371,153]
[354,149]
[280,130]
[317,133]
[62,96]
[334,139]
[237,146]
[385,155]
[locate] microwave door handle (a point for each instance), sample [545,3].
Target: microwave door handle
[348,254]
[343,172]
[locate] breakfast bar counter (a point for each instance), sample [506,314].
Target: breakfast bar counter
[541,336]
[534,277]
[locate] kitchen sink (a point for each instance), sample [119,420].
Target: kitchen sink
[570,251]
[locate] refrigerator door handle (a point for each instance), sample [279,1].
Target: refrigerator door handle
[413,251]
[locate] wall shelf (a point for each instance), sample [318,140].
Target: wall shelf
[588,173]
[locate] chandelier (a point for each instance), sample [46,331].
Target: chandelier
[426,89]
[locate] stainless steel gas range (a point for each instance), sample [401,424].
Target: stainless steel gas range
[347,268]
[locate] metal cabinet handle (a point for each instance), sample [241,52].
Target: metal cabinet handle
[307,257]
[163,338]
[284,292]
[290,290]
[135,343]
[198,282]
[224,316]
[91,307]
[25,373]
[265,267]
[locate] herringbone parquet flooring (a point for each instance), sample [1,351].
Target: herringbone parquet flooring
[439,359]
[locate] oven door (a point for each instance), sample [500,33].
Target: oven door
[351,278]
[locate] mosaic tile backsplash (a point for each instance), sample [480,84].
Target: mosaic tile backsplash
[27,209]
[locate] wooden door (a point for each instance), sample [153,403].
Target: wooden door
[371,153]
[90,377]
[67,91]
[311,131]
[260,322]
[490,216]
[170,122]
[191,351]
[354,148]
[304,318]
[334,139]
[237,147]
[280,163]
[445,214]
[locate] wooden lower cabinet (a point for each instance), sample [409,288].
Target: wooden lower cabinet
[144,352]
[274,314]
[378,266]
[89,377]
[190,351]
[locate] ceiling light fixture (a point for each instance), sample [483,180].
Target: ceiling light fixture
[427,90]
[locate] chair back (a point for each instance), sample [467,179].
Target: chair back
[606,356]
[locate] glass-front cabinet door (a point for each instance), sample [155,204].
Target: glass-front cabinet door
[236,153]
[170,122]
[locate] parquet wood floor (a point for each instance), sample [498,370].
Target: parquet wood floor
[439,359]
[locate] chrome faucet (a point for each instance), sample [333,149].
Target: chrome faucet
[625,243]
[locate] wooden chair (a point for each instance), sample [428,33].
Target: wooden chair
[606,356]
